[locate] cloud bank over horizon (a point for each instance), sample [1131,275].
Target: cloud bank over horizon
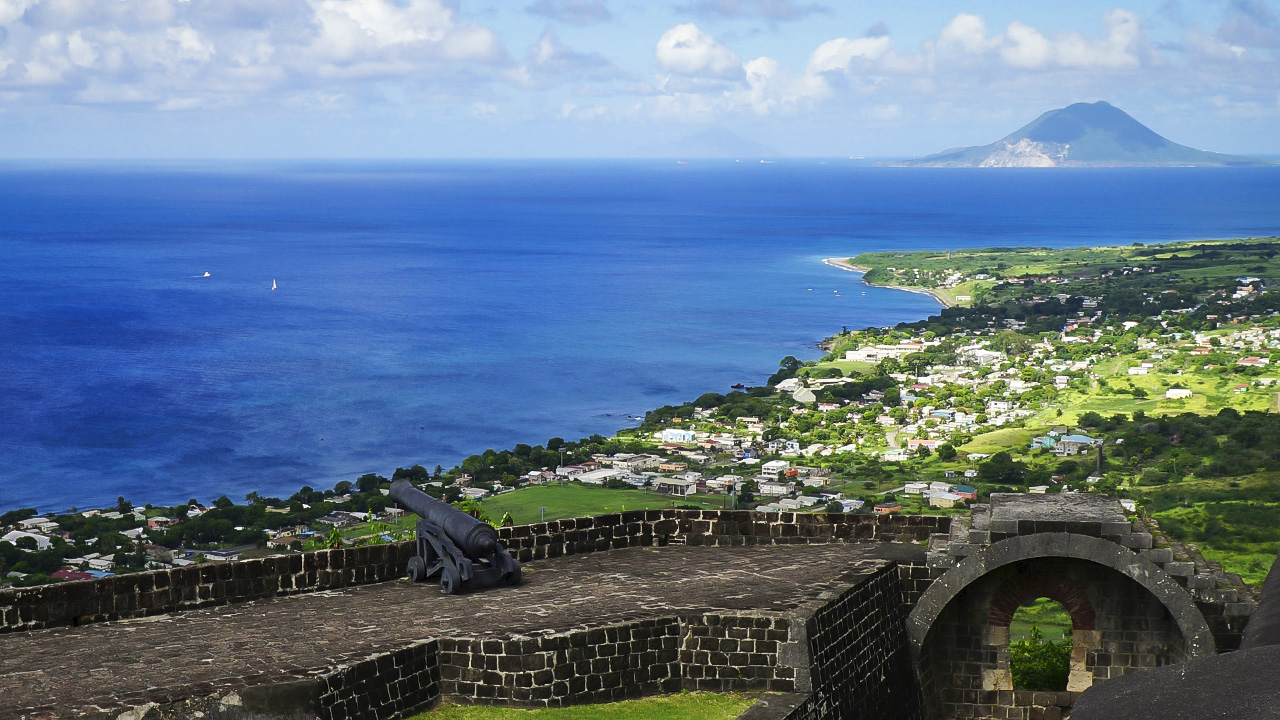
[387,78]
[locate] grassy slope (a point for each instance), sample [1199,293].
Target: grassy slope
[685,706]
[574,500]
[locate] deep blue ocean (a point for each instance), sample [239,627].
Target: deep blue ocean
[428,311]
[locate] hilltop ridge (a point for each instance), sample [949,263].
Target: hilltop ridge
[1082,134]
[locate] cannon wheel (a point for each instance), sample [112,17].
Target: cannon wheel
[450,580]
[513,577]
[417,569]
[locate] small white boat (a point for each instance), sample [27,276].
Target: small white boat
[273,283]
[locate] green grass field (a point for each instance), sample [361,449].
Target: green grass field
[685,706]
[1050,616]
[997,440]
[574,500]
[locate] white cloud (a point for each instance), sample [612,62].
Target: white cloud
[180,53]
[12,10]
[686,50]
[1025,47]
[838,54]
[1119,49]
[966,32]
[80,51]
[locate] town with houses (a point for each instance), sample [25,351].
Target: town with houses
[922,418]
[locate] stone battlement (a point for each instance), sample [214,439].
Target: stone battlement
[582,628]
[212,584]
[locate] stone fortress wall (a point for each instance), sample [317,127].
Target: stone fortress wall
[859,650]
[210,584]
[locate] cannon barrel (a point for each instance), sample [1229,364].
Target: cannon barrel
[474,537]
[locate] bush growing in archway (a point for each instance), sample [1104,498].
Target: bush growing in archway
[1039,664]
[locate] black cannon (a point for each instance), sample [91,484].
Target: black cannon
[461,548]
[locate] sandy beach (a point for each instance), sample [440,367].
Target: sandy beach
[844,264]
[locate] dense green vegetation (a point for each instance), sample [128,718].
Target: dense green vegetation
[1040,664]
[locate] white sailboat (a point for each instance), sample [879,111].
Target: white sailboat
[273,283]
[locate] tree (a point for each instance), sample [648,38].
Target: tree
[342,487]
[27,543]
[223,502]
[123,506]
[835,507]
[369,482]
[946,452]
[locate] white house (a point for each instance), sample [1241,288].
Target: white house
[598,477]
[1177,394]
[775,467]
[678,435]
[918,488]
[42,542]
[770,487]
[674,486]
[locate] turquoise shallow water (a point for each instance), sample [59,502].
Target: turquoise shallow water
[429,311]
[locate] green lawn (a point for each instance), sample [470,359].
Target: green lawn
[685,706]
[574,500]
[1050,616]
[997,440]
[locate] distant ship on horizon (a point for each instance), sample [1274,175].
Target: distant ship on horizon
[273,283]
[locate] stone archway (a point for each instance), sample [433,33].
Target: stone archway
[1127,613]
[1195,631]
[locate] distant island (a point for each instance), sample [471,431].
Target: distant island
[1084,134]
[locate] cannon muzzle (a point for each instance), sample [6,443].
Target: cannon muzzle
[475,537]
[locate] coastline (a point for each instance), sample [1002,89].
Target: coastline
[844,264]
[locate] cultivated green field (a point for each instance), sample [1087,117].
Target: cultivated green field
[574,500]
[685,706]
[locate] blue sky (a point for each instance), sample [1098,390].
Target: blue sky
[597,78]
